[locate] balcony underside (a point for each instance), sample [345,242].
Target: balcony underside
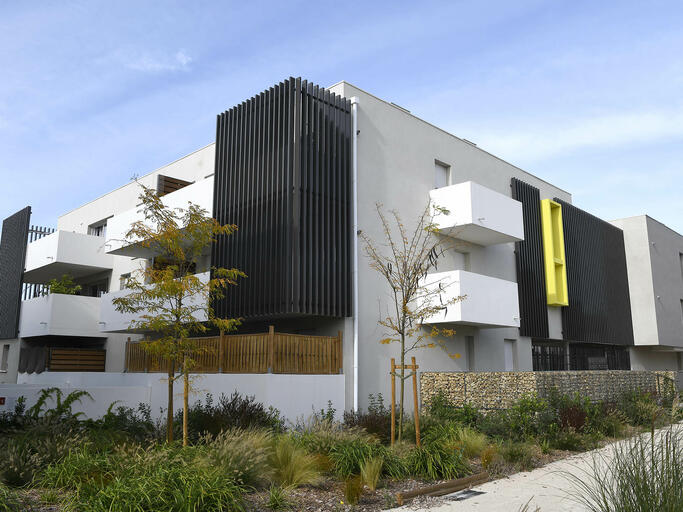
[56,270]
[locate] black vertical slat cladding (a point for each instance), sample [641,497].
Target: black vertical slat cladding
[599,308]
[533,302]
[283,176]
[13,244]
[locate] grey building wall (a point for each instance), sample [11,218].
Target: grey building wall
[396,158]
[654,255]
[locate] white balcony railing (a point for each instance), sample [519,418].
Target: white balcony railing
[477,214]
[65,252]
[60,315]
[200,193]
[490,302]
[111,320]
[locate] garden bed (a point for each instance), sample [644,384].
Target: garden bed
[242,456]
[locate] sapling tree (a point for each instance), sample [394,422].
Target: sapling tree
[168,298]
[404,258]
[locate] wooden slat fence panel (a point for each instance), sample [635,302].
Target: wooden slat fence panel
[269,352]
[76,360]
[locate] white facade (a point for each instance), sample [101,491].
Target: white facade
[487,301]
[400,161]
[60,315]
[473,213]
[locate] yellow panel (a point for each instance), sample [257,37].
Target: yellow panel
[553,253]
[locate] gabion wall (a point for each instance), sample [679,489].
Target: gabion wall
[498,390]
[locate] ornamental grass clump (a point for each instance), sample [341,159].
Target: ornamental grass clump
[292,466]
[242,454]
[370,472]
[641,474]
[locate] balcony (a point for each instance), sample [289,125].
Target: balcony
[65,252]
[200,193]
[60,315]
[110,320]
[490,302]
[477,215]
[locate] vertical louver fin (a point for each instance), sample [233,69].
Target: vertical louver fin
[530,272]
[283,176]
[12,259]
[599,308]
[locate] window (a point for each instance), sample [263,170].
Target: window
[681,310]
[98,228]
[442,174]
[122,280]
[680,255]
[5,358]
[470,353]
[510,362]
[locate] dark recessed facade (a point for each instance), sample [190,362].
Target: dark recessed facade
[283,176]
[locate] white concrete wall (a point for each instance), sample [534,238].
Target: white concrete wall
[489,302]
[193,167]
[650,358]
[294,395]
[65,248]
[477,214]
[396,158]
[199,193]
[653,260]
[112,320]
[60,315]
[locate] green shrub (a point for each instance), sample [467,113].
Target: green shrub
[472,442]
[243,454]
[235,411]
[569,440]
[132,424]
[522,455]
[370,472]
[292,466]
[642,409]
[441,409]
[644,473]
[376,421]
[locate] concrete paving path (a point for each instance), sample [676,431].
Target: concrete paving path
[544,488]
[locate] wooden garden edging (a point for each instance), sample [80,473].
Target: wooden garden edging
[269,352]
[444,488]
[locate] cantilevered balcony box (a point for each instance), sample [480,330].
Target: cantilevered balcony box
[199,193]
[60,315]
[477,214]
[490,302]
[65,252]
[110,320]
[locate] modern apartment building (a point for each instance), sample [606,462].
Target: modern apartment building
[300,169]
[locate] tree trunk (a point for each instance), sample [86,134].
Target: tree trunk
[186,393]
[400,412]
[169,412]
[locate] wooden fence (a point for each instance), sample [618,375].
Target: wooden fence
[270,352]
[76,360]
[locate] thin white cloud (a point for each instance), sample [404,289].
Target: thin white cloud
[149,63]
[613,130]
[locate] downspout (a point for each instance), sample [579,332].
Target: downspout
[354,111]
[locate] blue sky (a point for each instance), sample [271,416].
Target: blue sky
[586,95]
